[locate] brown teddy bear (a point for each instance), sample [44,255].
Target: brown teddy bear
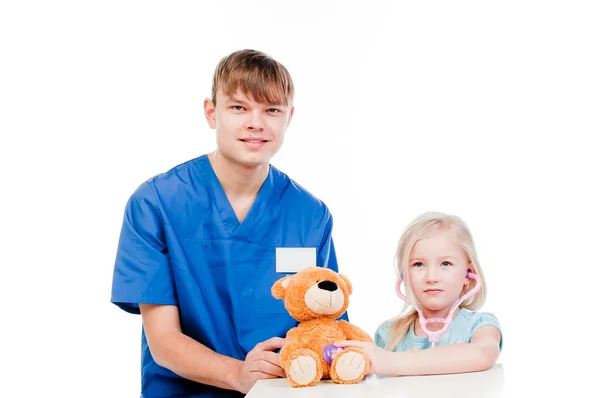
[316,297]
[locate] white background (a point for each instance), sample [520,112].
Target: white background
[485,110]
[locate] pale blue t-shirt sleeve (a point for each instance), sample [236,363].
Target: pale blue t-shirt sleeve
[483,319]
[382,335]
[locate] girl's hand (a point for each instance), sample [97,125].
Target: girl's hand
[380,359]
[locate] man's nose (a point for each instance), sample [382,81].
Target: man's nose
[255,121]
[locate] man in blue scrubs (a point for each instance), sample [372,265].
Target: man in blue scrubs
[202,244]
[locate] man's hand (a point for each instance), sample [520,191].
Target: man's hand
[260,363]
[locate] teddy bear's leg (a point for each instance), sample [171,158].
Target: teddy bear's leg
[349,366]
[301,365]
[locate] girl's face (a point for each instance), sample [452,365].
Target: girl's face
[437,270]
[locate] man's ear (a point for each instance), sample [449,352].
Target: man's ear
[291,115]
[278,289]
[209,113]
[347,282]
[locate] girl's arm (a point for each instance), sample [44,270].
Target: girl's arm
[480,354]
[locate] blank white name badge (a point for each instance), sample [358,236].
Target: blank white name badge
[294,259]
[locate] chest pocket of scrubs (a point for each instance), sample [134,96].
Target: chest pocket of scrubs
[242,274]
[225,271]
[266,276]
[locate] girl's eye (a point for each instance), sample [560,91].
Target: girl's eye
[418,264]
[446,263]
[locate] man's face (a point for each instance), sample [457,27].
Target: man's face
[249,133]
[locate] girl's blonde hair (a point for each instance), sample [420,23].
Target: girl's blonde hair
[419,228]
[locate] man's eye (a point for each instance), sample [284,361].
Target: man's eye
[237,107]
[273,110]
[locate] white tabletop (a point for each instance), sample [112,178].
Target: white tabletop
[479,384]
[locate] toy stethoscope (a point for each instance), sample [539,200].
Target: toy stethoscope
[434,336]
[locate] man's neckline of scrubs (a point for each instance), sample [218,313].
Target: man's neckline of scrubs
[232,225]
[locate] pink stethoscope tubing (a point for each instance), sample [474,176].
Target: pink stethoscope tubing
[434,336]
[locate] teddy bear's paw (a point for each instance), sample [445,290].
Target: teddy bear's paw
[349,367]
[303,370]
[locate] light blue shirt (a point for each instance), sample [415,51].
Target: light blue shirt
[460,331]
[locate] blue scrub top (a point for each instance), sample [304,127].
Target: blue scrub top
[182,244]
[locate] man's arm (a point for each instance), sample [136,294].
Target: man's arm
[192,360]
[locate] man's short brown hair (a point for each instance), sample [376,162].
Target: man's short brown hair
[255,74]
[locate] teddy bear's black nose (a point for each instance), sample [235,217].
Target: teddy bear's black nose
[328,285]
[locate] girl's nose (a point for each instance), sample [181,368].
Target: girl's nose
[431,274]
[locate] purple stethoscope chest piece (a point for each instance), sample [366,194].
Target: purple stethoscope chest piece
[329,350]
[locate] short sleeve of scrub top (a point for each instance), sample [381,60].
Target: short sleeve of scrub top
[142,274]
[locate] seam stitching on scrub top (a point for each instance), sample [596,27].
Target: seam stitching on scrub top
[195,238]
[156,204]
[205,166]
[329,217]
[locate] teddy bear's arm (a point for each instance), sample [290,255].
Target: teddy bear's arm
[354,332]
[293,334]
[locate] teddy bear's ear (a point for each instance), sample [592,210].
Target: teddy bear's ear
[347,282]
[278,289]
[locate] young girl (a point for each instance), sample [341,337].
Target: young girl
[436,258]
